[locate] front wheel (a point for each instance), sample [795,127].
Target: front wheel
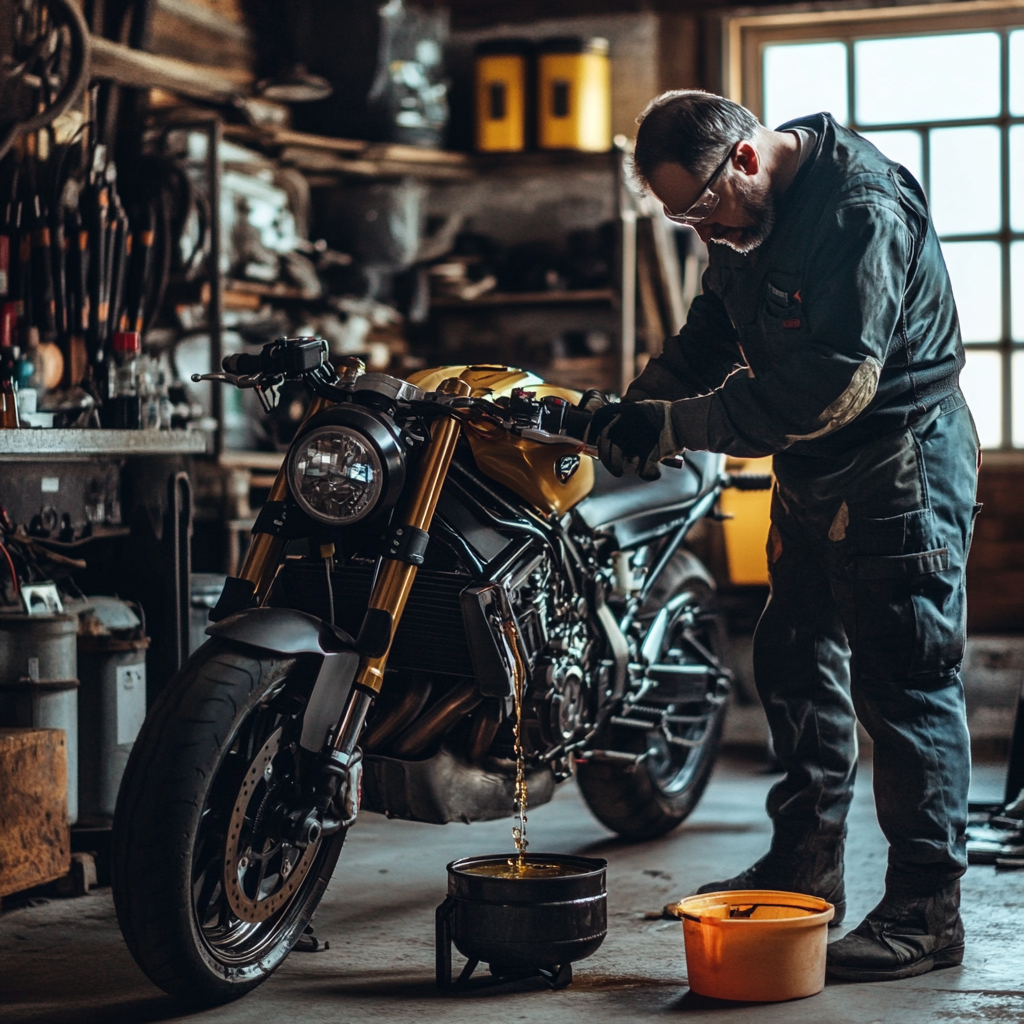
[212,885]
[676,754]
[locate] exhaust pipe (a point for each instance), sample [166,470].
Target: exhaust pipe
[389,725]
[437,720]
[484,729]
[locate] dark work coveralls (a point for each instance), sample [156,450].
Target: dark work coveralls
[835,347]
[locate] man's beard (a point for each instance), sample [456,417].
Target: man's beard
[758,203]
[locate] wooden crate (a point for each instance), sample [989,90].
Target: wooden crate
[35,838]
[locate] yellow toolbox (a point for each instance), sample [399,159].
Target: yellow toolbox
[574,95]
[746,534]
[502,79]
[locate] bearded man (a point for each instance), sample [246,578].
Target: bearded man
[827,337]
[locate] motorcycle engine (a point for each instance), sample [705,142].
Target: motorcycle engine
[559,644]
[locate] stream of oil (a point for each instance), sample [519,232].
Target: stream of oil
[518,866]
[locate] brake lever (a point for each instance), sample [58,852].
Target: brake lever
[248,380]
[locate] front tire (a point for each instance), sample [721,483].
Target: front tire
[648,799]
[229,706]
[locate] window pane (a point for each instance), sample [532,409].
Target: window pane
[974,269]
[804,78]
[903,147]
[1017,289]
[981,383]
[1017,175]
[927,78]
[1017,72]
[964,188]
[1017,379]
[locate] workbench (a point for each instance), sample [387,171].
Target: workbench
[121,500]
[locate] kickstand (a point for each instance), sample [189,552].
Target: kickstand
[309,943]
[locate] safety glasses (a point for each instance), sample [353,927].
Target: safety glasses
[707,201]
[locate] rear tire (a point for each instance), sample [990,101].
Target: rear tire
[647,800]
[182,774]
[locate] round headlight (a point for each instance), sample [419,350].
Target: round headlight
[336,475]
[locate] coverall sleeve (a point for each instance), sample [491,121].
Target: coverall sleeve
[696,360]
[851,302]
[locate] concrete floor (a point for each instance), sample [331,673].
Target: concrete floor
[64,961]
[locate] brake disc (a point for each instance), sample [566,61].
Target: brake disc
[241,858]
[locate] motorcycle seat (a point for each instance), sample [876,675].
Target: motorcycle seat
[616,500]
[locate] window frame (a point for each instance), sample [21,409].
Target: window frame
[746,36]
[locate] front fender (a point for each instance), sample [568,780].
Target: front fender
[283,631]
[287,631]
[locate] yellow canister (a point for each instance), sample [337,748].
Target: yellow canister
[574,95]
[502,77]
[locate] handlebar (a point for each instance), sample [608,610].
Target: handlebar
[242,364]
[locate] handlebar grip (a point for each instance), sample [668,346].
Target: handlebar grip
[576,422]
[751,481]
[242,364]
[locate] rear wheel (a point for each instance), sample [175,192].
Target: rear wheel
[213,884]
[651,796]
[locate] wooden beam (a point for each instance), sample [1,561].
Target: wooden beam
[141,70]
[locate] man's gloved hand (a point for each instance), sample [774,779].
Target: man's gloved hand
[633,437]
[592,400]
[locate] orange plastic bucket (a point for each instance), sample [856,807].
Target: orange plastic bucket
[755,945]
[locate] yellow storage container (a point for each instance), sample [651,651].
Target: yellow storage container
[746,534]
[574,95]
[502,77]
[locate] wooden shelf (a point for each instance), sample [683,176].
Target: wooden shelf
[321,155]
[542,161]
[583,296]
[275,290]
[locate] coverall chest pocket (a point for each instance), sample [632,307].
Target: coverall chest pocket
[908,611]
[782,311]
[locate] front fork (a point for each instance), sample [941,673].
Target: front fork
[395,579]
[392,586]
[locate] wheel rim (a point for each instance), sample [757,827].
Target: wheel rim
[672,768]
[242,906]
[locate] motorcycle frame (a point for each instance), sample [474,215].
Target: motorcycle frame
[395,577]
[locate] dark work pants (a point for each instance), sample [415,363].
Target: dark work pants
[867,617]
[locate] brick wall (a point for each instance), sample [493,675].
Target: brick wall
[995,569]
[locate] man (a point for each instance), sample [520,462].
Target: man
[827,336]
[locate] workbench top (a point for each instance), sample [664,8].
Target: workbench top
[76,444]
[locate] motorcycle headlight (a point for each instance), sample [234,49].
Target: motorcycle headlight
[336,475]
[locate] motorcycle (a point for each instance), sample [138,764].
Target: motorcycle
[431,548]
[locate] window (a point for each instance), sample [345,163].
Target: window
[943,94]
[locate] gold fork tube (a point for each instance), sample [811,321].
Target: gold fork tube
[265,550]
[396,577]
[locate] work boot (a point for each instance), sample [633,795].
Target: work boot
[811,866]
[902,937]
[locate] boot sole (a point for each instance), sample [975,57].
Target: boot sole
[951,957]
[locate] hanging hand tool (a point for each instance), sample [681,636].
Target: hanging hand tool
[141,272]
[96,215]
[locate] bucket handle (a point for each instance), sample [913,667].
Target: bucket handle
[736,914]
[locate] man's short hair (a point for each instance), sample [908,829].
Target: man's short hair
[688,127]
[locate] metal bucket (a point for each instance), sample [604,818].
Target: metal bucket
[39,681]
[111,702]
[522,926]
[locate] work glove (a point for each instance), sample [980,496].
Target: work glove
[633,437]
[592,400]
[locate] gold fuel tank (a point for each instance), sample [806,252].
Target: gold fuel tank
[553,478]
